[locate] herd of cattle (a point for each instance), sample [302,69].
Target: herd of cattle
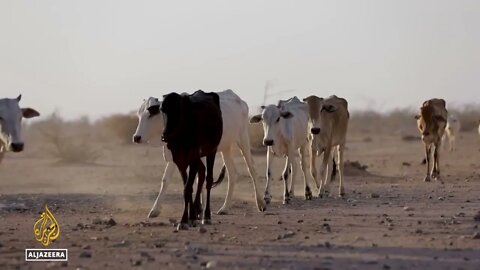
[197,126]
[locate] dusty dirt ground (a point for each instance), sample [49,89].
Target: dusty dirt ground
[389,219]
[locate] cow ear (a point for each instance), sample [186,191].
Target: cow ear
[329,108]
[29,113]
[262,107]
[286,115]
[440,118]
[417,116]
[19,97]
[255,119]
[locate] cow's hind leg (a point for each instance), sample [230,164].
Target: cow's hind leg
[286,176]
[436,167]
[304,164]
[267,196]
[167,175]
[207,216]
[287,188]
[244,145]
[187,195]
[427,161]
[340,150]
[197,205]
[232,179]
[326,173]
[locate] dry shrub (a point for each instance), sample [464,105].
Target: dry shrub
[468,115]
[119,126]
[255,131]
[69,142]
[397,121]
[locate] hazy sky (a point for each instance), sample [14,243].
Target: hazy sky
[98,57]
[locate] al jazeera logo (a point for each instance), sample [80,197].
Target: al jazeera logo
[46,230]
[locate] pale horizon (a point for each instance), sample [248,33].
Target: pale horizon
[95,58]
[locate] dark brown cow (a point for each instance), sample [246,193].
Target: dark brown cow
[193,129]
[431,122]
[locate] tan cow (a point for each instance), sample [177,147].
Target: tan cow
[431,122]
[328,120]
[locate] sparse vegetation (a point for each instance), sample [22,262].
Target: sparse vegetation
[255,132]
[119,126]
[63,142]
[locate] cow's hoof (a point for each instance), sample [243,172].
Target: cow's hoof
[261,206]
[182,226]
[154,213]
[286,200]
[222,211]
[207,221]
[267,198]
[194,223]
[341,192]
[308,193]
[427,178]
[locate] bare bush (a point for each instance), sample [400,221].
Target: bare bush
[64,141]
[119,126]
[469,116]
[255,131]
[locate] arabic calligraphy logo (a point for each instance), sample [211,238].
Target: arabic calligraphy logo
[46,229]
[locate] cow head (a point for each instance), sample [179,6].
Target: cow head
[318,111]
[11,123]
[148,111]
[271,118]
[428,123]
[172,108]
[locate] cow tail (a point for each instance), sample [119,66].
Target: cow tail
[220,178]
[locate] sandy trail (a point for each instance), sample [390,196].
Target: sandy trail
[389,219]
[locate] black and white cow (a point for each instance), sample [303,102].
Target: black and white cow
[193,129]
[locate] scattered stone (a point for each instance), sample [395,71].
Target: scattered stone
[418,231]
[97,221]
[441,198]
[300,221]
[202,230]
[285,235]
[406,164]
[122,244]
[328,245]
[211,264]
[476,235]
[159,245]
[136,262]
[110,222]
[374,195]
[477,216]
[387,267]
[85,254]
[87,247]
[149,257]
[407,208]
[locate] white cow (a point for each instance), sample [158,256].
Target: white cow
[478,127]
[451,131]
[235,132]
[285,133]
[11,124]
